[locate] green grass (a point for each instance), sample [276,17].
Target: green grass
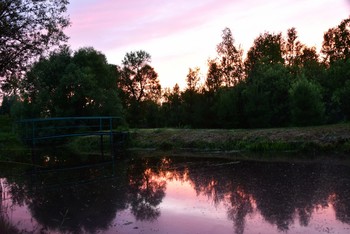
[327,138]
[11,148]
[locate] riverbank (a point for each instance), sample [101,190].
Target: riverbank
[333,139]
[328,138]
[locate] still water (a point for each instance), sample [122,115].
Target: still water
[177,195]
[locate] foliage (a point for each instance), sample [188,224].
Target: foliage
[171,109]
[266,96]
[28,29]
[334,86]
[214,77]
[267,49]
[192,79]
[281,77]
[230,59]
[281,82]
[140,87]
[306,103]
[229,107]
[336,43]
[342,98]
[138,80]
[66,85]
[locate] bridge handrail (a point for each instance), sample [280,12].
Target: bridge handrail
[67,118]
[103,127]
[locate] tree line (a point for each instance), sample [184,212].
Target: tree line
[280,82]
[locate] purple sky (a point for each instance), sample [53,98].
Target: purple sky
[184,33]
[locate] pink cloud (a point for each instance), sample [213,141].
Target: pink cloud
[126,22]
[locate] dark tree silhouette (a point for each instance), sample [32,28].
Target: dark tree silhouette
[71,85]
[230,59]
[267,49]
[336,42]
[214,77]
[192,79]
[28,29]
[138,80]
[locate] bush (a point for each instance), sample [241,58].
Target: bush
[306,103]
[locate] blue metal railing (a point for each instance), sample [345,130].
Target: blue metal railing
[33,130]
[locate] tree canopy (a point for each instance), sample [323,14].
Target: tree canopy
[28,30]
[82,84]
[138,80]
[336,42]
[280,82]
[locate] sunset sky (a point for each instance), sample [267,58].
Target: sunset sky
[183,34]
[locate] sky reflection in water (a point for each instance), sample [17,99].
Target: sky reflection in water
[181,195]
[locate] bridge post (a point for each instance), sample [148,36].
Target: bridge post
[111,140]
[34,156]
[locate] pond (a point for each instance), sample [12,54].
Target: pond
[179,194]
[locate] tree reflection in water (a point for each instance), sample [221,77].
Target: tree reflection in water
[281,192]
[146,189]
[57,202]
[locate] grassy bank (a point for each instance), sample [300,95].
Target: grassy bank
[329,138]
[11,148]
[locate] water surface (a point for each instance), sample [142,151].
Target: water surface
[177,195]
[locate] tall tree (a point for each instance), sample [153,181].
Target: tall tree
[306,103]
[140,88]
[292,48]
[66,85]
[192,79]
[28,29]
[172,107]
[214,77]
[266,96]
[267,49]
[336,42]
[138,80]
[230,59]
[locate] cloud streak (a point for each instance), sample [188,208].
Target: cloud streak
[131,22]
[181,34]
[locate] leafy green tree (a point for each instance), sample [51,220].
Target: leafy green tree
[230,59]
[310,63]
[306,103]
[28,30]
[301,59]
[151,113]
[336,42]
[229,107]
[292,48]
[172,108]
[191,97]
[138,83]
[267,49]
[266,96]
[192,79]
[214,77]
[292,52]
[138,80]
[267,83]
[342,98]
[335,85]
[64,85]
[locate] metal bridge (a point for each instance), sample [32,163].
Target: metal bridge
[34,131]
